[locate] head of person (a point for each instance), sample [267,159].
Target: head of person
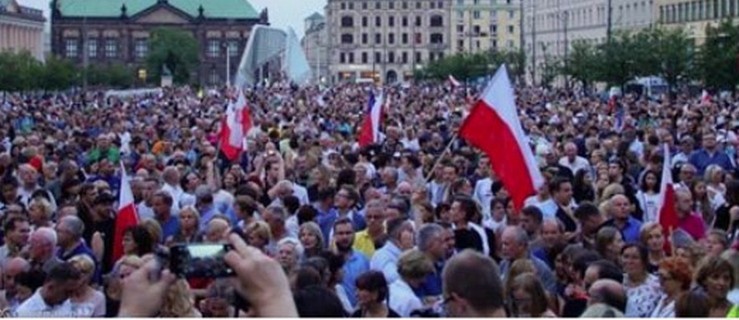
[344,235]
[372,289]
[608,242]
[466,296]
[11,269]
[218,299]
[693,304]
[561,190]
[137,241]
[318,301]
[42,244]
[85,266]
[514,243]
[27,282]
[531,219]
[289,251]
[414,266]
[527,296]
[69,231]
[634,259]
[552,233]
[464,209]
[602,269]
[716,276]
[162,205]
[311,237]
[620,207]
[17,230]
[709,140]
[178,301]
[398,228]
[431,241]
[189,218]
[683,202]
[675,275]
[589,217]
[608,292]
[375,215]
[257,234]
[717,241]
[652,237]
[60,283]
[275,216]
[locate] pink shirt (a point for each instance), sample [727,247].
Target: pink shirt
[693,224]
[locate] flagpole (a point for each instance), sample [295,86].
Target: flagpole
[441,156]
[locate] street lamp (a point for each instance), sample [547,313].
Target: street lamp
[228,64]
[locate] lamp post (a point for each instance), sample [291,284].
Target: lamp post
[228,64]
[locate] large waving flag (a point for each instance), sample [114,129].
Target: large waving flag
[234,127]
[371,123]
[494,127]
[667,214]
[127,215]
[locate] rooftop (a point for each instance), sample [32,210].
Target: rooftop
[228,9]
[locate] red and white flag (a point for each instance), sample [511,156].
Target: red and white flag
[234,127]
[705,97]
[454,81]
[126,217]
[667,214]
[370,133]
[494,127]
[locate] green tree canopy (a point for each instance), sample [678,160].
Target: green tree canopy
[175,49]
[718,59]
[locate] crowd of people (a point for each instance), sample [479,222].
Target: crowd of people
[416,225]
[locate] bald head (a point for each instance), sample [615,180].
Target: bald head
[477,296]
[608,292]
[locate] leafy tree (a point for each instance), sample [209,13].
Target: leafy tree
[672,54]
[551,68]
[19,71]
[175,49]
[620,61]
[717,60]
[583,63]
[58,74]
[120,76]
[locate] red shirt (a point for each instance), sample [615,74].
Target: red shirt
[693,224]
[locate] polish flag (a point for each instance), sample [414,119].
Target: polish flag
[454,81]
[234,127]
[705,97]
[126,217]
[371,124]
[667,214]
[494,127]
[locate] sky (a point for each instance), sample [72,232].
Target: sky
[282,13]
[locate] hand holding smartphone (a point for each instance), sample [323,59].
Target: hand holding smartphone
[200,261]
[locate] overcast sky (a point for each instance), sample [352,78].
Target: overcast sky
[282,13]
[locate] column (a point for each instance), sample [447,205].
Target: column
[3,37]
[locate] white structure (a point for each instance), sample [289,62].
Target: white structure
[21,29]
[272,53]
[553,25]
[315,45]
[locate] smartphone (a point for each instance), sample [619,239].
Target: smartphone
[200,261]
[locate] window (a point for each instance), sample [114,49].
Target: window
[419,38]
[405,5]
[351,57]
[92,48]
[214,48]
[378,38]
[342,58]
[213,77]
[351,5]
[233,48]
[347,22]
[378,57]
[391,38]
[431,57]
[343,6]
[460,2]
[364,5]
[347,38]
[418,21]
[404,38]
[378,21]
[391,5]
[391,21]
[70,47]
[141,48]
[441,55]
[391,57]
[377,5]
[111,48]
[460,15]
[440,5]
[418,57]
[418,5]
[510,29]
[511,14]
[460,28]
[493,28]
[364,38]
[476,14]
[404,57]
[364,22]
[437,21]
[364,57]
[432,5]
[476,2]
[437,38]
[476,30]
[404,21]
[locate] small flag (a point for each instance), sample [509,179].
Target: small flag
[127,215]
[371,124]
[454,81]
[234,127]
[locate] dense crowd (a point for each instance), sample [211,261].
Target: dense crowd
[415,225]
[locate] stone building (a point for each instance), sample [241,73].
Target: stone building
[21,28]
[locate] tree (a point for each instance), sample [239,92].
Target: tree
[620,59]
[19,71]
[58,74]
[551,68]
[672,55]
[175,49]
[717,59]
[583,63]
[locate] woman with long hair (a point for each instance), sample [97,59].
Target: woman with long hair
[137,241]
[701,203]
[528,299]
[311,238]
[178,302]
[648,195]
[372,294]
[189,222]
[583,187]
[642,288]
[258,235]
[652,238]
[608,243]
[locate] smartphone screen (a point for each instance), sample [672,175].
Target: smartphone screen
[200,261]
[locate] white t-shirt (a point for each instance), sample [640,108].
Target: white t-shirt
[36,307]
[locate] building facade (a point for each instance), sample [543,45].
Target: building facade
[21,29]
[93,32]
[385,41]
[551,26]
[315,46]
[695,15]
[484,25]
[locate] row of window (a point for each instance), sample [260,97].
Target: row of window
[477,45]
[401,57]
[435,38]
[435,21]
[478,2]
[492,29]
[391,5]
[477,14]
[141,48]
[698,10]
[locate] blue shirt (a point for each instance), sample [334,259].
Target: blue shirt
[82,249]
[355,266]
[630,232]
[170,228]
[326,222]
[208,214]
[431,286]
[701,160]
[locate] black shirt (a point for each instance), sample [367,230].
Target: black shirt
[390,314]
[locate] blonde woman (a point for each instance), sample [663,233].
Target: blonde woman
[189,222]
[311,238]
[178,303]
[86,301]
[40,212]
[258,235]
[715,187]
[122,269]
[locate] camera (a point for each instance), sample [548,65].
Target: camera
[200,261]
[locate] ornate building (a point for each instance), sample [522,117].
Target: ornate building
[117,31]
[385,40]
[21,28]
